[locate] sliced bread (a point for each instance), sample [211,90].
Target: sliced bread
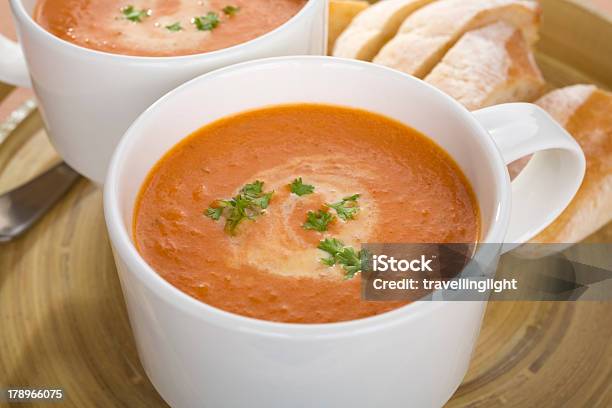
[425,36]
[341,13]
[586,113]
[373,27]
[488,66]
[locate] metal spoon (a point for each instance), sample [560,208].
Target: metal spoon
[22,207]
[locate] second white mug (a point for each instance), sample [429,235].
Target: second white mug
[89,98]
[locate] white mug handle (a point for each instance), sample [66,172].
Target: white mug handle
[552,177]
[13,69]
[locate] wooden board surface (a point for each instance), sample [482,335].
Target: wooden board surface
[64,323]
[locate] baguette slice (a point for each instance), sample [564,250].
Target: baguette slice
[429,33]
[586,113]
[488,66]
[341,13]
[372,28]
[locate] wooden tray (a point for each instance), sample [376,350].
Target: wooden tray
[64,323]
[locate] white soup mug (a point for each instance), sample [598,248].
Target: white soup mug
[88,98]
[416,356]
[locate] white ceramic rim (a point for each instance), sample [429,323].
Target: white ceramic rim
[126,250]
[23,15]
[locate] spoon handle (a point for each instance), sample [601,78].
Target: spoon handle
[22,207]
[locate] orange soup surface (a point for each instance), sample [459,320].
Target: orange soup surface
[162,27]
[393,184]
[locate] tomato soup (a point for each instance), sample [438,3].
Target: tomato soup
[162,27]
[263,213]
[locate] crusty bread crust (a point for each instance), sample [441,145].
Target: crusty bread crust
[428,34]
[488,66]
[586,113]
[373,27]
[341,13]
[563,103]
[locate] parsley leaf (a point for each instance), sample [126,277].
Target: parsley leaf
[350,259]
[347,208]
[331,245]
[208,22]
[317,221]
[136,16]
[263,201]
[231,10]
[298,187]
[214,213]
[174,27]
[249,203]
[252,190]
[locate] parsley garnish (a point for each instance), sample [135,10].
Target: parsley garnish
[174,27]
[317,221]
[298,187]
[208,22]
[332,246]
[250,202]
[231,10]
[214,213]
[136,16]
[350,259]
[347,208]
